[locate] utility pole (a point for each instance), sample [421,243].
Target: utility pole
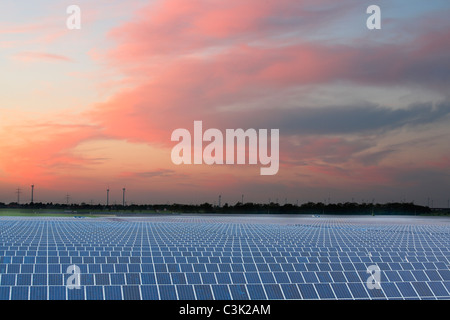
[32,193]
[123,197]
[242,199]
[107,197]
[67,199]
[18,191]
[220,198]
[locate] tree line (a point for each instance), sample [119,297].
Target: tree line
[311,208]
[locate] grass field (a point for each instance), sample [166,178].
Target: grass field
[19,212]
[47,213]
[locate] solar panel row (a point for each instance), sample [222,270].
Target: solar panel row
[191,277]
[392,290]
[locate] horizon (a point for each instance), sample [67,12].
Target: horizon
[361,114]
[218,202]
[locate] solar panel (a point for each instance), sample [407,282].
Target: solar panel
[324,291]
[163,278]
[23,279]
[133,278]
[221,292]
[358,290]
[38,293]
[76,294]
[167,292]
[273,291]
[149,292]
[307,291]
[237,277]
[237,267]
[19,293]
[422,289]
[281,277]
[193,278]
[117,278]
[252,277]
[94,293]
[186,267]
[290,291]
[185,292]
[324,276]
[102,279]
[160,267]
[341,291]
[376,294]
[256,292]
[203,259]
[238,292]
[113,293]
[438,289]
[57,292]
[203,292]
[55,279]
[444,273]
[208,278]
[178,278]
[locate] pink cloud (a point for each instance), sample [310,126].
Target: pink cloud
[176,87]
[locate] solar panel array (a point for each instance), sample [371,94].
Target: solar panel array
[201,259]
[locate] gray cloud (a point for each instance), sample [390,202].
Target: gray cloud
[374,157]
[363,119]
[155,173]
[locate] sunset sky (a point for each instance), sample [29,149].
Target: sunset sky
[362,114]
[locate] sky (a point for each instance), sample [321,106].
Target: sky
[363,115]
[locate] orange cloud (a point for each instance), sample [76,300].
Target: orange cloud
[42,152]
